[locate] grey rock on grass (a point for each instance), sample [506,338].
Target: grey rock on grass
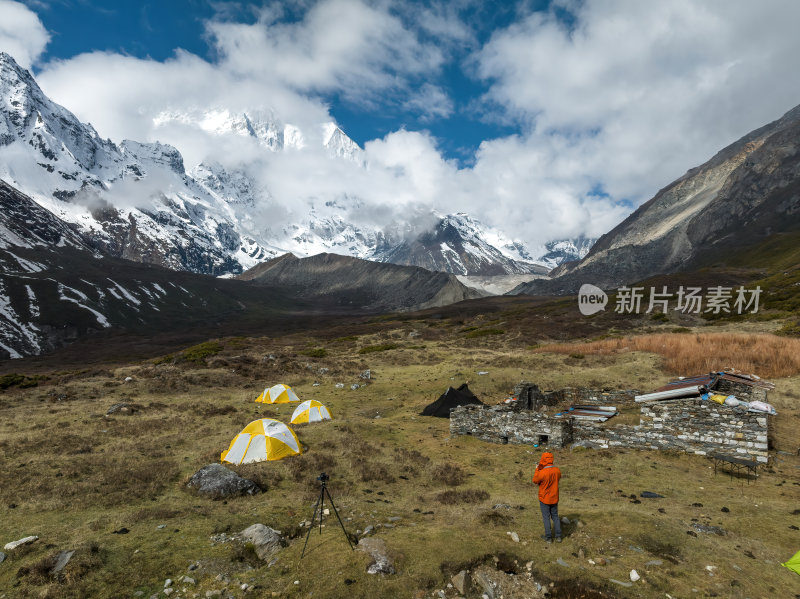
[376,548]
[267,541]
[217,481]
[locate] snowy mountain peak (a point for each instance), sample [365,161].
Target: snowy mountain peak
[340,145]
[162,155]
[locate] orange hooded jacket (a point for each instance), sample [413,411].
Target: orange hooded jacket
[547,477]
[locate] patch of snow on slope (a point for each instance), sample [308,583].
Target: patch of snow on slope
[33,305]
[62,295]
[128,295]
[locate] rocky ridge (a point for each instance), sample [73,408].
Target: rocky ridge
[743,194]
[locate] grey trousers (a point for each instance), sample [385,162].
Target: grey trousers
[550,511]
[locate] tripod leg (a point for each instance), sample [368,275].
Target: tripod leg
[313,516]
[335,511]
[321,506]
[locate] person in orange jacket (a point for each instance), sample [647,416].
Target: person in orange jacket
[547,477]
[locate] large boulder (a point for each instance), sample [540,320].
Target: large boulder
[217,481]
[267,541]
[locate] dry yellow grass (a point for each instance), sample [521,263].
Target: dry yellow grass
[763,354]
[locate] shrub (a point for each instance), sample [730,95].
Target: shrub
[484,333]
[790,329]
[449,474]
[577,356]
[368,349]
[316,352]
[199,353]
[370,471]
[453,497]
[19,380]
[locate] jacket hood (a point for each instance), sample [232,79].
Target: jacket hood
[547,459]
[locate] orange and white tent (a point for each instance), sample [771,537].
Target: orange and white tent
[261,440]
[310,411]
[278,394]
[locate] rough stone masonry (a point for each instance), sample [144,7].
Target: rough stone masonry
[689,425]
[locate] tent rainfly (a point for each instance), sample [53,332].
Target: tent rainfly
[793,563]
[261,440]
[310,411]
[278,394]
[450,399]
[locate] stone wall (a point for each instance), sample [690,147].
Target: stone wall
[503,424]
[689,425]
[593,397]
[740,390]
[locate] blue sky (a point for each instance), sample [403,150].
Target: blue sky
[545,119]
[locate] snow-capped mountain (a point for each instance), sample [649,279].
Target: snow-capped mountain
[556,253]
[462,245]
[136,200]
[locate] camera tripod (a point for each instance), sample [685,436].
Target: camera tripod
[323,479]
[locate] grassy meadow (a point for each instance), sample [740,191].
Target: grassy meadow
[112,487]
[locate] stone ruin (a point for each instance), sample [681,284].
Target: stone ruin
[690,425]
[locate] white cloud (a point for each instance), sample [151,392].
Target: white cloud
[643,91]
[346,46]
[22,34]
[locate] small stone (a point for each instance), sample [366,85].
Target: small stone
[2,557]
[634,576]
[61,561]
[244,586]
[161,526]
[654,562]
[192,567]
[561,562]
[461,582]
[24,541]
[168,583]
[564,520]
[189,580]
[724,509]
[621,583]
[297,582]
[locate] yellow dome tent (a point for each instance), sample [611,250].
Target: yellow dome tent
[310,411]
[264,439]
[278,394]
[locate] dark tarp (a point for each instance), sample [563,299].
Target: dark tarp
[452,398]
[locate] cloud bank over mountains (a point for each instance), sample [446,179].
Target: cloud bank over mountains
[610,99]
